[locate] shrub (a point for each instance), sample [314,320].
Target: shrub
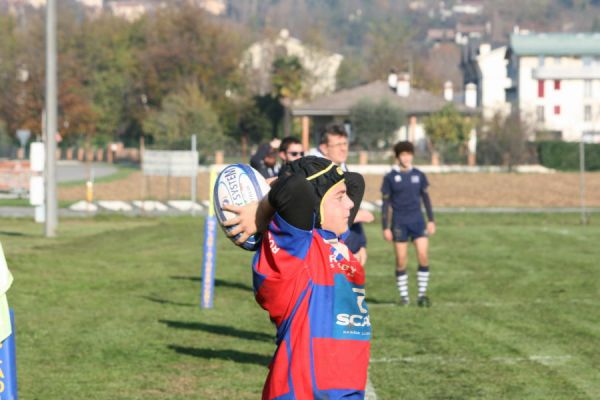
[565,155]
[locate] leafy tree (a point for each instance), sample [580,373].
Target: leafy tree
[182,114]
[447,127]
[388,48]
[503,140]
[286,80]
[350,73]
[374,124]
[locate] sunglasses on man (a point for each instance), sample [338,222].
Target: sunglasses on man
[295,153]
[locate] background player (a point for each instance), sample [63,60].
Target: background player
[402,219]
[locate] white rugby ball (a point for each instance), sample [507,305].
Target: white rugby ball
[238,184]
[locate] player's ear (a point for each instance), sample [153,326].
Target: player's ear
[323,148]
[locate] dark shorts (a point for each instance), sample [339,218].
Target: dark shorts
[414,230]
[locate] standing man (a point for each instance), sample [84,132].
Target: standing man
[290,149]
[334,145]
[402,219]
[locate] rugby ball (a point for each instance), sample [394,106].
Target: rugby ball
[238,184]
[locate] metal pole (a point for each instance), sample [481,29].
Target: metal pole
[582,180]
[51,118]
[194,175]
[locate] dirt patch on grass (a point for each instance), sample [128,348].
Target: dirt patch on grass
[559,189]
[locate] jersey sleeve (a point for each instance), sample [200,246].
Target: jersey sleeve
[287,240]
[386,193]
[426,198]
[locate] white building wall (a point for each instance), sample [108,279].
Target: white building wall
[571,97]
[494,81]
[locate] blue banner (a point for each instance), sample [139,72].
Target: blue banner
[8,365]
[209,262]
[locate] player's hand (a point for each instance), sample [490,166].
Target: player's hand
[431,228]
[364,216]
[245,221]
[361,256]
[387,235]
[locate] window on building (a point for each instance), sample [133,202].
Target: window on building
[587,88]
[557,60]
[557,84]
[556,110]
[587,61]
[587,113]
[541,88]
[539,111]
[541,61]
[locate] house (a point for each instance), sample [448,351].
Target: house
[486,68]
[555,83]
[321,66]
[416,104]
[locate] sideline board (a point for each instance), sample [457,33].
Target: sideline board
[170,162]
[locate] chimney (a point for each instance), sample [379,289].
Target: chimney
[471,95]
[448,91]
[403,88]
[392,79]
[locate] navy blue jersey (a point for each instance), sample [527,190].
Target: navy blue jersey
[401,193]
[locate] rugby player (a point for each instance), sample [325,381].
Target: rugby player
[402,191]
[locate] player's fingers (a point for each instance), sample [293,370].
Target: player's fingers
[231,222]
[243,237]
[233,231]
[231,207]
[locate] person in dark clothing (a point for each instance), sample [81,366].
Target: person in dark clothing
[290,149]
[402,190]
[265,159]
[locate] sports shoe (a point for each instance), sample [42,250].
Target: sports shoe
[423,301]
[404,300]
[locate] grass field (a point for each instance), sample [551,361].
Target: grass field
[109,310]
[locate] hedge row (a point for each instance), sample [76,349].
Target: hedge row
[565,156]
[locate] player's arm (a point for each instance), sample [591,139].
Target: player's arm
[386,209]
[291,197]
[251,218]
[428,208]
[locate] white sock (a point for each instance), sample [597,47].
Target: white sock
[423,279]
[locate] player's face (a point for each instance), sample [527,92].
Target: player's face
[293,152]
[336,149]
[336,209]
[405,159]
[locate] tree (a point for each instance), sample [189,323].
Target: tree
[503,140]
[182,114]
[445,128]
[374,124]
[286,80]
[388,44]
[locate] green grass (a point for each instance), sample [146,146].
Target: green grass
[24,202]
[109,310]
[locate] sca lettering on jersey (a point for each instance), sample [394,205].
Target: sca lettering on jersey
[351,313]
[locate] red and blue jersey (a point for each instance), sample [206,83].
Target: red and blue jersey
[313,289]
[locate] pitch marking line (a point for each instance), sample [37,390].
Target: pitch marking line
[370,391]
[541,359]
